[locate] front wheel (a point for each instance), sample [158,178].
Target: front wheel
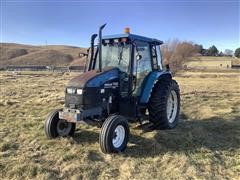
[55,127]
[114,134]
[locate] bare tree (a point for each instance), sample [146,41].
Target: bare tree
[176,53]
[228,52]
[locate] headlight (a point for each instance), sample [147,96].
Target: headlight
[71,90]
[74,91]
[79,91]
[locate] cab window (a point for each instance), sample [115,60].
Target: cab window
[143,65]
[154,58]
[159,57]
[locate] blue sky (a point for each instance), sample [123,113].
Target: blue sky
[72,22]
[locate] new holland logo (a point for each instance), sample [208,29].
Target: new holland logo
[111,85]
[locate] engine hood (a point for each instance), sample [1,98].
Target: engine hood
[93,78]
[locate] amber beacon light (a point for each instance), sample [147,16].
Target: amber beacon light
[127,30]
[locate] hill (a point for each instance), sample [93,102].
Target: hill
[52,55]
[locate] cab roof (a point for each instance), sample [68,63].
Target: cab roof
[133,37]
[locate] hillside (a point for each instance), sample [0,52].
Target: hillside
[52,55]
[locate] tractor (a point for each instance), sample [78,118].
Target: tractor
[124,81]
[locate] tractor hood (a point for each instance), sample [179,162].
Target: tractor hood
[93,78]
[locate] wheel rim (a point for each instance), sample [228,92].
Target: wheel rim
[172,106]
[63,127]
[119,136]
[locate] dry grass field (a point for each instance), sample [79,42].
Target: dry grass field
[205,144]
[210,62]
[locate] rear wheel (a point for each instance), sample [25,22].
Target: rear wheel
[114,134]
[164,104]
[55,127]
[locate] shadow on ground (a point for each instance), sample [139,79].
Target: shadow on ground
[214,134]
[86,136]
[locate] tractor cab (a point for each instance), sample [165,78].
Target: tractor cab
[135,56]
[124,79]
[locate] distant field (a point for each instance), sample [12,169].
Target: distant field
[205,144]
[210,62]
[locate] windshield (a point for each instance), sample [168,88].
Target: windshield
[116,55]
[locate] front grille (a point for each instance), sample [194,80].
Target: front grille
[90,98]
[73,101]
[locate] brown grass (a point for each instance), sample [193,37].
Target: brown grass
[79,62]
[205,144]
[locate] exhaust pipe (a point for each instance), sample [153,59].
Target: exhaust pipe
[92,52]
[100,47]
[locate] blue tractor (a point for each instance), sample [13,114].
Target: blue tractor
[124,80]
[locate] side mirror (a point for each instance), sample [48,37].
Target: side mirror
[167,67]
[82,55]
[138,57]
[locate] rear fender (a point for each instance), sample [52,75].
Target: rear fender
[149,83]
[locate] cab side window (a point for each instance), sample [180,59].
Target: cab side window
[154,57]
[159,57]
[144,64]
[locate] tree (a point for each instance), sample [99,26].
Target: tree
[205,52]
[221,54]
[176,53]
[237,52]
[199,48]
[212,51]
[228,52]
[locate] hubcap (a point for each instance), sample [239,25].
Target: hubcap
[119,136]
[63,127]
[172,106]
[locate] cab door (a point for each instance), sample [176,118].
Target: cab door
[142,65]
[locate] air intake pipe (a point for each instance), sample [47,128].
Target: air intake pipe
[90,67]
[100,46]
